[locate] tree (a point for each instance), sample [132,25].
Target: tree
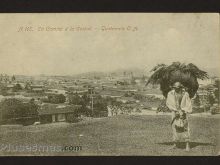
[75,99]
[186,74]
[13,78]
[83,101]
[100,106]
[27,86]
[56,99]
[216,92]
[17,87]
[61,98]
[11,109]
[3,89]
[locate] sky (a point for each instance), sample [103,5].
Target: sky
[157,38]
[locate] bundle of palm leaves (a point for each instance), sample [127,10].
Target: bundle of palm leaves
[186,74]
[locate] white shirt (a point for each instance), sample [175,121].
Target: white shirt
[185,105]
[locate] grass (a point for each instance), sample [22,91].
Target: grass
[118,135]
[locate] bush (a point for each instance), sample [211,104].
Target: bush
[56,99]
[163,107]
[216,92]
[75,99]
[100,107]
[202,108]
[100,110]
[139,97]
[85,111]
[17,87]
[196,101]
[72,118]
[197,109]
[214,109]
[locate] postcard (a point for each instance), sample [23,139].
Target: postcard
[109,84]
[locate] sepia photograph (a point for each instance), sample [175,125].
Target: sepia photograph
[109,84]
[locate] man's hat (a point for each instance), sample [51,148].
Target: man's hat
[177,85]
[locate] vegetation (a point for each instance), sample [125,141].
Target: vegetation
[197,101]
[216,92]
[3,90]
[17,88]
[119,135]
[186,74]
[139,97]
[72,118]
[76,99]
[56,99]
[133,81]
[13,110]
[13,78]
[99,105]
[163,107]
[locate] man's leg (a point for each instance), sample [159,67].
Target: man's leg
[187,146]
[173,130]
[187,136]
[174,137]
[187,140]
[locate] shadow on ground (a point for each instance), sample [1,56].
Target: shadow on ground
[183,144]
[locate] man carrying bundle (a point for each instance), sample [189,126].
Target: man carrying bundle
[178,97]
[179,102]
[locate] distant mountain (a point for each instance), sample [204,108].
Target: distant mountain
[136,72]
[90,74]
